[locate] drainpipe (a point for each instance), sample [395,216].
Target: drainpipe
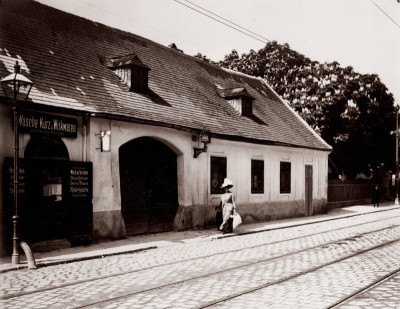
[29,255]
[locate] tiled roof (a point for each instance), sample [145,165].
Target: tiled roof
[66,57]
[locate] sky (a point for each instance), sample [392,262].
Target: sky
[364,34]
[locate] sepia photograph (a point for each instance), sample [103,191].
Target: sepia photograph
[190,154]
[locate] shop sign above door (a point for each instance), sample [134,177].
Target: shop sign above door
[47,124]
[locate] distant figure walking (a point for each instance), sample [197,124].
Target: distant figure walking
[228,207]
[376,195]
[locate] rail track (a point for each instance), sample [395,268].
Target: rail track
[121,298]
[353,235]
[336,304]
[360,292]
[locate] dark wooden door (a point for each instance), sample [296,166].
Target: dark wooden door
[133,195]
[308,190]
[149,194]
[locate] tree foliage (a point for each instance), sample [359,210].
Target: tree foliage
[353,112]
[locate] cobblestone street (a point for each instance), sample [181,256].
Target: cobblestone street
[384,295]
[316,265]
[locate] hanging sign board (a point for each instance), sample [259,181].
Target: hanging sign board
[47,124]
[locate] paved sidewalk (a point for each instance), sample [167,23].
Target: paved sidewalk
[153,241]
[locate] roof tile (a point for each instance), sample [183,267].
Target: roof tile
[66,57]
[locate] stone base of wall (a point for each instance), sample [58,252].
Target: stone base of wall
[202,216]
[320,206]
[108,225]
[194,217]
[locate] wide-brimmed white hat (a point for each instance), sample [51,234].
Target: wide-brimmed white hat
[227,183]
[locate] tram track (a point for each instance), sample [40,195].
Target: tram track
[250,290]
[360,292]
[355,235]
[338,303]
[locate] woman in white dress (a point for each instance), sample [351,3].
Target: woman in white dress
[228,207]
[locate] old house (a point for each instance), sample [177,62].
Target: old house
[121,135]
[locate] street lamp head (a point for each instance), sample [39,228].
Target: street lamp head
[205,137]
[16,86]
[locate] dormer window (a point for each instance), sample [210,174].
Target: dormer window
[133,72]
[247,106]
[239,99]
[173,46]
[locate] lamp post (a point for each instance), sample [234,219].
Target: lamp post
[16,88]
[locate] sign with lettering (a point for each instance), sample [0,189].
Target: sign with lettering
[65,211]
[9,177]
[80,180]
[47,124]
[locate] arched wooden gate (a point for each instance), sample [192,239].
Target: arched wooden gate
[149,190]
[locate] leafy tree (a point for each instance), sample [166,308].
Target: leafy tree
[353,112]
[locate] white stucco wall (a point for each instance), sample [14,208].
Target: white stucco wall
[194,173]
[106,164]
[239,156]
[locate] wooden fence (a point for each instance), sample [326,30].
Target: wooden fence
[349,192]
